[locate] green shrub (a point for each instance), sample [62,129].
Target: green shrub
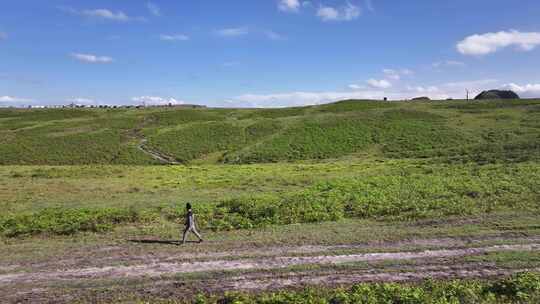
[66,221]
[523,289]
[404,193]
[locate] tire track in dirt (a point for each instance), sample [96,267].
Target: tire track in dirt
[104,256]
[171,268]
[251,284]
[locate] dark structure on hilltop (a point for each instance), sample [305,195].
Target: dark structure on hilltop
[422,98]
[497,94]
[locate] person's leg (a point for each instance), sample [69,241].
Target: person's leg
[194,230]
[186,230]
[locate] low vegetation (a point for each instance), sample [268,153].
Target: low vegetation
[477,131]
[406,192]
[520,288]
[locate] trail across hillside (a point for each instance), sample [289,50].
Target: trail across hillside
[143,147]
[256,268]
[162,158]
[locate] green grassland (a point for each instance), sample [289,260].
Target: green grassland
[71,170]
[521,288]
[63,200]
[457,131]
[342,173]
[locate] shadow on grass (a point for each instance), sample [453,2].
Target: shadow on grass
[163,242]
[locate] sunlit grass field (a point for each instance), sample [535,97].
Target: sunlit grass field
[71,170]
[456,131]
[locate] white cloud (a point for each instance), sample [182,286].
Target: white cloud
[11,99]
[273,35]
[289,5]
[432,92]
[89,58]
[232,32]
[527,91]
[471,84]
[453,89]
[358,91]
[355,87]
[101,13]
[156,100]
[300,98]
[327,13]
[106,14]
[392,74]
[313,98]
[3,36]
[347,12]
[421,89]
[175,37]
[154,9]
[379,84]
[448,63]
[406,72]
[483,44]
[396,74]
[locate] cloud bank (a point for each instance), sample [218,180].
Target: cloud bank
[12,99]
[526,91]
[378,92]
[156,100]
[483,44]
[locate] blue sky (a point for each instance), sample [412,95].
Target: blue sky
[264,53]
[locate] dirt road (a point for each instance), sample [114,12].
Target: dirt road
[253,269]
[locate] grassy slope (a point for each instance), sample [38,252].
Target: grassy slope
[374,160]
[454,131]
[462,169]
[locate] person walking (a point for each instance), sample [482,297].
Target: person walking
[190,224]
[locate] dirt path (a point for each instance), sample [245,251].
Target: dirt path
[157,155]
[162,158]
[146,252]
[99,274]
[271,263]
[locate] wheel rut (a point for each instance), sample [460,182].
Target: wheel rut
[160,269]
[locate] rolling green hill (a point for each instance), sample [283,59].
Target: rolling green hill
[450,131]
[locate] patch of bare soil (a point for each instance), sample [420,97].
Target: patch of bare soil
[133,254]
[167,288]
[171,271]
[171,268]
